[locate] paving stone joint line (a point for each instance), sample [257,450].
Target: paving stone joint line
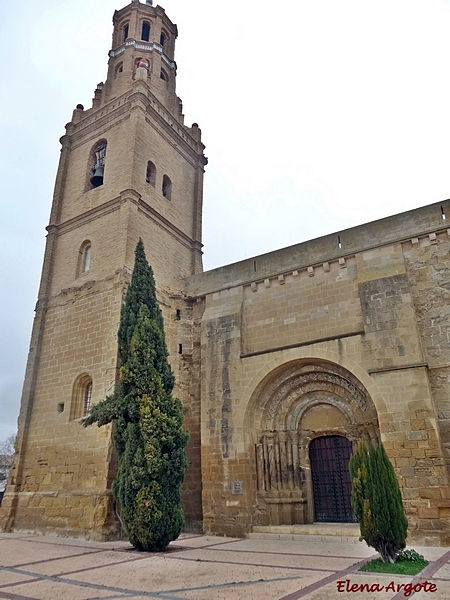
[229,562]
[179,553]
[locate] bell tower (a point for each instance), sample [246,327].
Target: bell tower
[129,168]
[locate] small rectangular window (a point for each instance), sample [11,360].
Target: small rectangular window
[178,317]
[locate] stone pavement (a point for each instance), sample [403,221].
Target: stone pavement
[198,567]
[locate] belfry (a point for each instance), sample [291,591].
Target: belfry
[282,361]
[129,168]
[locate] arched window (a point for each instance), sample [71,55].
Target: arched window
[145,36]
[125,31]
[118,69]
[162,38]
[84,258]
[81,397]
[86,264]
[97,165]
[167,187]
[150,176]
[87,398]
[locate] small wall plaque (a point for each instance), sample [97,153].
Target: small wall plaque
[237,487]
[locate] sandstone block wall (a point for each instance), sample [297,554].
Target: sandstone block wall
[301,307]
[352,345]
[63,479]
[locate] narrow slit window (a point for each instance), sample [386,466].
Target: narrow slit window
[180,348]
[162,39]
[178,314]
[442,213]
[125,32]
[87,258]
[339,242]
[87,398]
[166,187]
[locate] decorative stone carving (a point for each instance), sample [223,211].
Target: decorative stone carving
[280,479]
[317,378]
[277,461]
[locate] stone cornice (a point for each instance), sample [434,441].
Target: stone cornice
[118,109]
[146,46]
[165,224]
[301,344]
[422,365]
[128,195]
[408,227]
[85,217]
[99,127]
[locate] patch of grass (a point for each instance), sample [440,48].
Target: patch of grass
[407,563]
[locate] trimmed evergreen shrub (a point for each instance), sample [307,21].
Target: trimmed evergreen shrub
[147,421]
[377,501]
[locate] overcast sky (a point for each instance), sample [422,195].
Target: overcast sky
[317,115]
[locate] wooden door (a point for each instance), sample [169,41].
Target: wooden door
[329,457]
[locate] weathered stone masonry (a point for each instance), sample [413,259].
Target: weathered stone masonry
[316,340]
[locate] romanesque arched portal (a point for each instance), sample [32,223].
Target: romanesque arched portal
[302,402]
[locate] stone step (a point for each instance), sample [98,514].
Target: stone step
[314,532]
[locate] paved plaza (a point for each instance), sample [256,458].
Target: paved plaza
[199,567]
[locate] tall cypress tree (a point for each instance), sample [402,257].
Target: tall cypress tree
[147,421]
[142,290]
[377,501]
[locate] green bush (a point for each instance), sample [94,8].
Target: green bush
[377,501]
[147,421]
[411,556]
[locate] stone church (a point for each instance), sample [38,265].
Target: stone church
[282,361]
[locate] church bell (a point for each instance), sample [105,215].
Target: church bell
[97,175]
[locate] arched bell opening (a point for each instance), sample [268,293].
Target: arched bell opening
[304,402]
[96,170]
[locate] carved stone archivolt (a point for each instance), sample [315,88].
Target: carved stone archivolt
[316,380]
[294,391]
